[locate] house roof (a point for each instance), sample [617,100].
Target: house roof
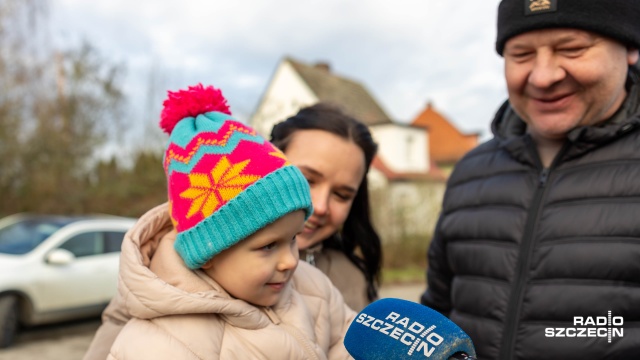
[434,173]
[446,143]
[349,95]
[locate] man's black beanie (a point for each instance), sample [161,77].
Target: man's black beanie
[617,19]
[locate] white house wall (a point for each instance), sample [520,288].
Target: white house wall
[402,148]
[376,179]
[286,94]
[405,209]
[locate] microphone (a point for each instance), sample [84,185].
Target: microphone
[390,329]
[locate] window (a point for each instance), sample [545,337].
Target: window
[85,244]
[24,236]
[410,146]
[113,241]
[94,243]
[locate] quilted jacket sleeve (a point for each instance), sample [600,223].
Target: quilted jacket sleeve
[342,316]
[439,276]
[114,318]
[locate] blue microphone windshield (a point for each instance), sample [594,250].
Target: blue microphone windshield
[393,329]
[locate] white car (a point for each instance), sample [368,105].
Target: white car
[56,268]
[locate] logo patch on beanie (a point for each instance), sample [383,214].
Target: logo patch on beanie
[534,7]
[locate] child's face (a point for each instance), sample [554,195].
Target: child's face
[258,268]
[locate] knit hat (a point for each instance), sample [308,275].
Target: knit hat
[225,182]
[617,19]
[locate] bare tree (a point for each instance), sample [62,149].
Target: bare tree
[56,109]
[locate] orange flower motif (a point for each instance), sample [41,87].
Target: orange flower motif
[210,191]
[280,154]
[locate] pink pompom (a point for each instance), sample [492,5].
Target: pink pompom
[192,102]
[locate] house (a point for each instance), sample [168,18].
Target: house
[295,85]
[402,148]
[405,184]
[447,144]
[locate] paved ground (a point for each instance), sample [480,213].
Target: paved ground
[410,292]
[69,341]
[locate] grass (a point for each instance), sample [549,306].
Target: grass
[405,275]
[405,260]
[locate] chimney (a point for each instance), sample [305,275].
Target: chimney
[322,65]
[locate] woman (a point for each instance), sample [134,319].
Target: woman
[334,152]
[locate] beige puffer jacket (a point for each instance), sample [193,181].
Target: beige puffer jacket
[344,274]
[178,313]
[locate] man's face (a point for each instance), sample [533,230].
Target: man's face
[559,79]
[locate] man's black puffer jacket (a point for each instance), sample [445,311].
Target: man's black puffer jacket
[519,248]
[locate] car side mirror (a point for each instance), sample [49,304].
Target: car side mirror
[60,257]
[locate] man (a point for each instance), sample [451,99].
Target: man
[539,235]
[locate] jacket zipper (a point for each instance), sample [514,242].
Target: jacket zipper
[302,340]
[308,348]
[520,276]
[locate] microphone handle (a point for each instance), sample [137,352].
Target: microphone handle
[462,356]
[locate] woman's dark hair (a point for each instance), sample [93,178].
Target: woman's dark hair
[633,76]
[357,232]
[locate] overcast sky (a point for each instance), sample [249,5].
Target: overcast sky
[406,52]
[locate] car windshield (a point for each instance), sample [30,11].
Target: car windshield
[24,235]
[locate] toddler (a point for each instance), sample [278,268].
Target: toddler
[214,273]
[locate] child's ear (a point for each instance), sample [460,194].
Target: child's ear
[208,265]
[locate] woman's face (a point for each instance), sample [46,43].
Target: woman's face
[334,168]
